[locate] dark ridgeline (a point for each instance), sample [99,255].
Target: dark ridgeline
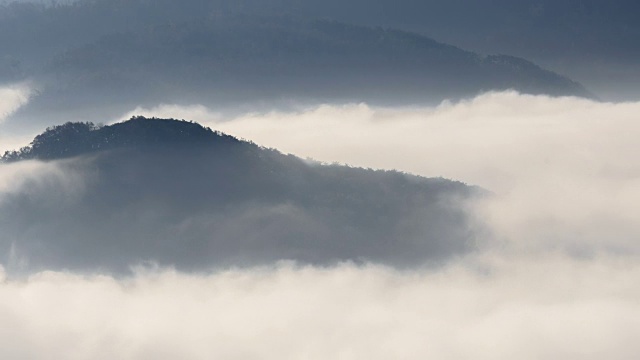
[180,194]
[113,55]
[75,139]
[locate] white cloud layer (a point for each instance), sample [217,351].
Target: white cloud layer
[564,169]
[558,277]
[525,310]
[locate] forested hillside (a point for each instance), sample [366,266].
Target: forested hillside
[176,193]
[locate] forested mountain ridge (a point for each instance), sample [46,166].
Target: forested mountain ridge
[74,139]
[176,193]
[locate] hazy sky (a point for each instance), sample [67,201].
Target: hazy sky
[555,278]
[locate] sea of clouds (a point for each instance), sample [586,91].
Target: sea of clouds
[555,277]
[532,309]
[563,170]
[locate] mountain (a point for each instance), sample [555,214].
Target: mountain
[112,53]
[591,41]
[176,193]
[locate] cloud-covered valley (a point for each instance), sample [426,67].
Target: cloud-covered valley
[554,274]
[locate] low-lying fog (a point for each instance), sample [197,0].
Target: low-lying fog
[563,169]
[556,276]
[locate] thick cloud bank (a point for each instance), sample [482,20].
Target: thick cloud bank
[505,311]
[563,169]
[556,278]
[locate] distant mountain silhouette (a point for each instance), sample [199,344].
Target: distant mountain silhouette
[180,194]
[591,41]
[115,53]
[262,58]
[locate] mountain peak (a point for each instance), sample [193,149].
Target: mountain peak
[77,138]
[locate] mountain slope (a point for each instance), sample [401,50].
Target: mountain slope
[178,194]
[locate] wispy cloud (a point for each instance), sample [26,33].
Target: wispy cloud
[13,97]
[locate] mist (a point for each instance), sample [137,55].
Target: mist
[561,169]
[554,274]
[12,97]
[529,309]
[363,218]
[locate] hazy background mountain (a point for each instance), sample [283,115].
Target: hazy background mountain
[112,55]
[556,277]
[591,41]
[178,194]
